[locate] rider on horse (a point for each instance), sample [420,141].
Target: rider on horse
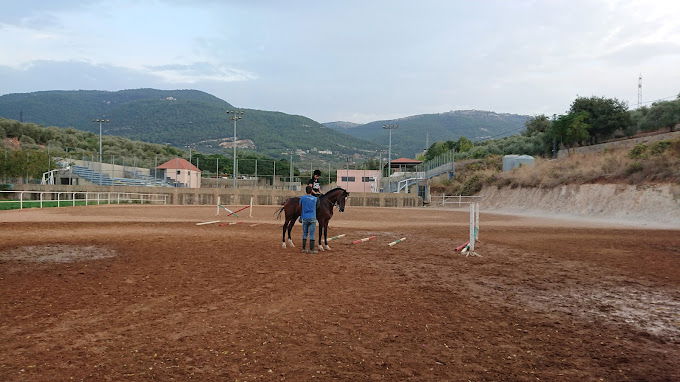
[314,182]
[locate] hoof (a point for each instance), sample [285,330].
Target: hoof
[328,247]
[321,248]
[290,242]
[283,244]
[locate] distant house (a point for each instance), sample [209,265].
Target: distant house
[404,163]
[181,171]
[359,180]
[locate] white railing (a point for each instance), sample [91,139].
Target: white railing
[73,198]
[458,200]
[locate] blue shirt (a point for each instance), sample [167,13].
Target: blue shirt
[309,203]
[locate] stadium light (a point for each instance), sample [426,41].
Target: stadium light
[100,121]
[235,115]
[390,127]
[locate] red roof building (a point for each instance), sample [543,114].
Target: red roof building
[405,163]
[182,171]
[179,164]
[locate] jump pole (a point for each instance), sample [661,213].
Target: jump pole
[396,242]
[225,208]
[239,210]
[336,237]
[364,239]
[460,247]
[210,222]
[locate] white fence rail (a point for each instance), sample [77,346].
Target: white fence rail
[457,200]
[33,199]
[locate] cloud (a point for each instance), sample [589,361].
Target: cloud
[39,14]
[70,75]
[639,52]
[200,71]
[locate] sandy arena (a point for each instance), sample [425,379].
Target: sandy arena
[140,293]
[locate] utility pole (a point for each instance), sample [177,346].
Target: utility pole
[235,115]
[291,171]
[390,127]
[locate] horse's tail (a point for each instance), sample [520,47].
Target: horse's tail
[277,214]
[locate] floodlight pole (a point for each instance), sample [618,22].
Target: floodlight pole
[235,115]
[390,127]
[100,121]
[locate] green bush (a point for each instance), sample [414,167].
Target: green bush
[472,185]
[638,152]
[659,147]
[633,168]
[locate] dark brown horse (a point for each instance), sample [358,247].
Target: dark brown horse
[324,213]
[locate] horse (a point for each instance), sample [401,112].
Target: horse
[324,213]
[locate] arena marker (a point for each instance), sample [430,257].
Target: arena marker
[397,241]
[364,239]
[337,237]
[211,222]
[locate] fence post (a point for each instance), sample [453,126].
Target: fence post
[21,200]
[41,199]
[58,199]
[73,197]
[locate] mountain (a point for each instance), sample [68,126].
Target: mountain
[182,118]
[341,125]
[411,136]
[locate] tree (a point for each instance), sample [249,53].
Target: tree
[570,129]
[463,145]
[536,125]
[662,114]
[604,115]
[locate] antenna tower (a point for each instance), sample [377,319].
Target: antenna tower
[639,91]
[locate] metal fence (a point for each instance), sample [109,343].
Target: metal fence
[41,199]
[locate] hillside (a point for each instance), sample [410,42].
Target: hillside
[411,136]
[341,125]
[25,148]
[180,118]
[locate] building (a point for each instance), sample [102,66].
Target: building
[181,171]
[404,164]
[359,180]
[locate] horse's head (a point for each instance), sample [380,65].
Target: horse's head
[337,196]
[341,200]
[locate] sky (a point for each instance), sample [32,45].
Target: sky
[356,61]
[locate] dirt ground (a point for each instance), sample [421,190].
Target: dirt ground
[112,293]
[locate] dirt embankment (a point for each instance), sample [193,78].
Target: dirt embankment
[653,206]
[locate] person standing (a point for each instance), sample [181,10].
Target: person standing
[314,183]
[308,205]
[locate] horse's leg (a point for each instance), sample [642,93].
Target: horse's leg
[325,235]
[321,248]
[283,234]
[290,228]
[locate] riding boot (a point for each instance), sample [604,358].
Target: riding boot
[304,245]
[311,247]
